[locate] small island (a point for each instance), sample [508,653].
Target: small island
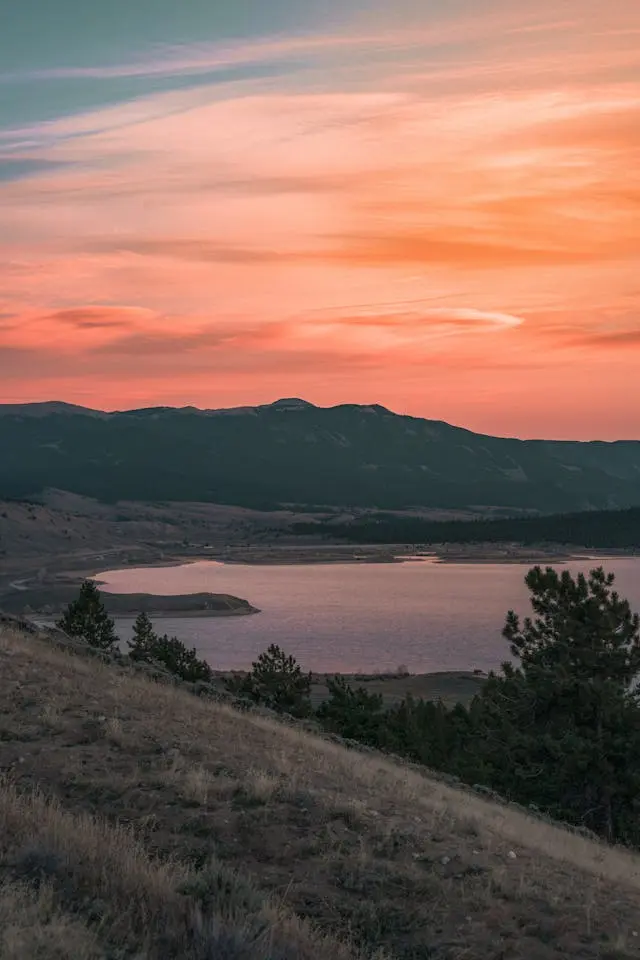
[177,605]
[50,598]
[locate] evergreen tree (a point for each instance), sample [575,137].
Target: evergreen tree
[353,714]
[427,732]
[181,660]
[144,639]
[149,647]
[561,728]
[87,619]
[277,682]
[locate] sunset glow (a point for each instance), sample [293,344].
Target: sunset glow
[439,213]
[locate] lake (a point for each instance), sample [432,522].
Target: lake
[352,617]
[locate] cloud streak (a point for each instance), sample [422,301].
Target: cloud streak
[486,212]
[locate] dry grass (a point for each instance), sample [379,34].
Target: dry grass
[50,715]
[197,817]
[59,863]
[105,860]
[32,924]
[259,786]
[114,731]
[197,784]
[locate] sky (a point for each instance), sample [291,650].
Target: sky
[431,204]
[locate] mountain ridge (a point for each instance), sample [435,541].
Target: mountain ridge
[293,452]
[46,407]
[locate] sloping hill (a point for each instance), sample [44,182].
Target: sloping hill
[137,819]
[293,452]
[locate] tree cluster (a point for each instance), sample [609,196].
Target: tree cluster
[87,619]
[557,729]
[589,528]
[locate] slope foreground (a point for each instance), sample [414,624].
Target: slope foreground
[139,820]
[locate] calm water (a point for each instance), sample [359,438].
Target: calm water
[355,617]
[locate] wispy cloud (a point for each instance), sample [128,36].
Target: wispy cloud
[217,238]
[205,58]
[613,339]
[394,42]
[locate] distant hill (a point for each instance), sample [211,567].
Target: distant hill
[295,453]
[600,529]
[47,409]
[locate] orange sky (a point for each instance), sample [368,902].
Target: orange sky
[443,218]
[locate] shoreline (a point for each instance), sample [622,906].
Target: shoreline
[435,555]
[28,593]
[536,559]
[483,556]
[161,615]
[186,614]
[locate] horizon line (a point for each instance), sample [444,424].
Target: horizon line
[303,404]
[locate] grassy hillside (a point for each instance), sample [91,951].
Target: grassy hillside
[293,452]
[139,820]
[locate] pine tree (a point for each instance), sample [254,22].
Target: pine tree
[426,731]
[181,660]
[172,654]
[87,619]
[277,682]
[143,640]
[561,728]
[354,714]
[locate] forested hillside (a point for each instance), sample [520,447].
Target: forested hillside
[292,452]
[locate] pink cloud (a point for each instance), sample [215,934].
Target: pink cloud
[230,230]
[498,20]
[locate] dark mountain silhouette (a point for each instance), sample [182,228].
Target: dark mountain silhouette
[293,452]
